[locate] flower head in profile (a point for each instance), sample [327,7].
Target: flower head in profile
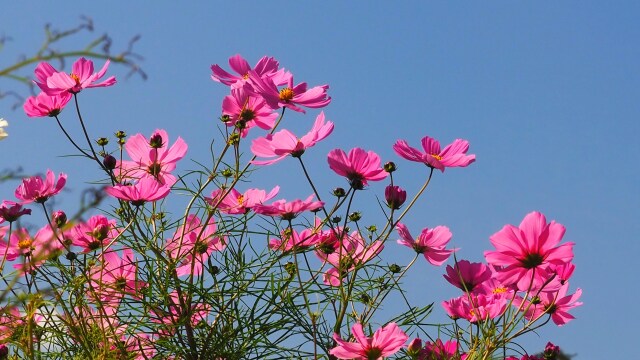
[386,341]
[288,210]
[467,276]
[265,67]
[40,190]
[476,307]
[145,190]
[359,167]
[94,233]
[152,157]
[453,155]
[116,276]
[555,303]
[349,252]
[46,105]
[246,110]
[290,96]
[276,147]
[34,250]
[3,124]
[527,255]
[431,243]
[10,211]
[235,203]
[55,82]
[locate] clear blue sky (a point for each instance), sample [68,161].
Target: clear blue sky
[547,94]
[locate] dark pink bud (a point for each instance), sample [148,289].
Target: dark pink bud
[11,211]
[109,162]
[59,218]
[155,141]
[4,352]
[395,196]
[100,232]
[551,351]
[415,348]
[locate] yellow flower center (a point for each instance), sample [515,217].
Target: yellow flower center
[241,200]
[437,157]
[245,76]
[25,244]
[499,290]
[76,78]
[286,94]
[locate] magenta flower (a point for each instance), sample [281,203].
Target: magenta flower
[467,276]
[236,203]
[198,243]
[93,234]
[36,189]
[145,190]
[349,253]
[453,155]
[55,82]
[476,307]
[116,276]
[359,167]
[525,255]
[283,143]
[246,110]
[173,315]
[290,239]
[439,351]
[33,251]
[431,243]
[266,67]
[288,210]
[290,96]
[46,105]
[557,304]
[10,211]
[152,157]
[386,341]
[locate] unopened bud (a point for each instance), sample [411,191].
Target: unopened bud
[336,219]
[395,196]
[102,141]
[355,216]
[156,141]
[59,218]
[120,134]
[109,162]
[225,118]
[395,268]
[389,167]
[338,192]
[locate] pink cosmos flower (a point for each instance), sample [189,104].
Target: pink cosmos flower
[10,211]
[145,190]
[524,255]
[172,314]
[453,155]
[358,167]
[46,105]
[55,82]
[198,243]
[93,234]
[277,146]
[386,341]
[152,157]
[236,203]
[290,239]
[266,67]
[245,110]
[116,276]
[33,251]
[10,320]
[467,276]
[438,350]
[557,304]
[476,307]
[350,253]
[431,243]
[290,96]
[288,210]
[36,189]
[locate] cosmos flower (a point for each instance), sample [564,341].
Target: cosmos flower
[359,167]
[386,341]
[453,155]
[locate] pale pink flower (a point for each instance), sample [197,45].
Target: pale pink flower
[524,255]
[10,211]
[284,142]
[172,314]
[116,276]
[246,110]
[46,105]
[152,157]
[10,320]
[36,189]
[557,304]
[33,251]
[350,253]
[476,307]
[266,67]
[467,276]
[386,341]
[453,155]
[198,243]
[290,239]
[290,96]
[55,82]
[145,190]
[288,210]
[359,167]
[431,243]
[235,202]
[93,234]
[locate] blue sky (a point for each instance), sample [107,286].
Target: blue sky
[546,93]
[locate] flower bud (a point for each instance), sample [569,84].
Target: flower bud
[102,141]
[59,218]
[395,268]
[551,352]
[395,196]
[389,167]
[156,141]
[109,162]
[355,216]
[336,219]
[225,118]
[338,192]
[70,256]
[100,232]
[227,173]
[414,348]
[120,134]
[4,352]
